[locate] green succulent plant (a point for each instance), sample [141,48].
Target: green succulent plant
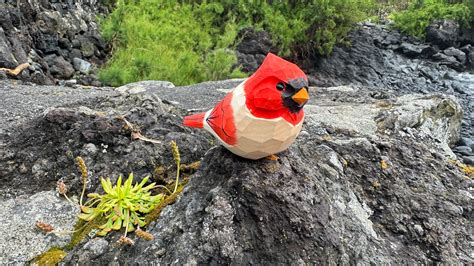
[123,205]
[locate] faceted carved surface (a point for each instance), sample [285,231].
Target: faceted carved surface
[258,137]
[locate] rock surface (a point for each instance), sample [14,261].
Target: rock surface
[382,58]
[21,240]
[366,182]
[443,33]
[49,35]
[252,48]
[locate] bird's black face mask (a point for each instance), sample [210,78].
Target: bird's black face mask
[294,94]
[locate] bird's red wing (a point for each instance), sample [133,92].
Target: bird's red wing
[221,120]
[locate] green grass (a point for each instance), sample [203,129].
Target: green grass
[192,41]
[161,41]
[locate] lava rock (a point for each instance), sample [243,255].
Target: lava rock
[6,56]
[464,150]
[22,242]
[464,141]
[49,28]
[468,160]
[443,33]
[47,43]
[447,60]
[82,65]
[410,50]
[292,210]
[252,49]
[466,35]
[59,67]
[429,51]
[458,54]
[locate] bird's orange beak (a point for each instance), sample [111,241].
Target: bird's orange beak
[301,97]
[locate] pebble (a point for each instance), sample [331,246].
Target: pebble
[419,229]
[97,246]
[91,148]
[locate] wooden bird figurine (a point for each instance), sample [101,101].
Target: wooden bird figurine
[261,116]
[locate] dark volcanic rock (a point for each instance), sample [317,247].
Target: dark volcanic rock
[443,33]
[70,132]
[48,28]
[58,67]
[362,195]
[368,181]
[380,57]
[253,48]
[466,35]
[411,50]
[458,54]
[6,56]
[448,60]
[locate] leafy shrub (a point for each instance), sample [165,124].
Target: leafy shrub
[164,40]
[421,13]
[192,41]
[300,26]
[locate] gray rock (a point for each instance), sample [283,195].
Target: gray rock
[76,43]
[59,67]
[21,240]
[419,229]
[295,209]
[466,48]
[142,86]
[462,88]
[464,141]
[7,59]
[469,51]
[458,54]
[90,148]
[82,65]
[87,47]
[411,50]
[464,150]
[468,160]
[70,83]
[252,48]
[75,53]
[450,61]
[95,248]
[443,33]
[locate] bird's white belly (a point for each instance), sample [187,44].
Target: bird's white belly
[259,137]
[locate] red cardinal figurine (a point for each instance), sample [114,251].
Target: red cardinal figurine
[263,115]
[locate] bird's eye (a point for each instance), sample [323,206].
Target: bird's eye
[280,86]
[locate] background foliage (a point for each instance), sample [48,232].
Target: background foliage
[420,13]
[190,41]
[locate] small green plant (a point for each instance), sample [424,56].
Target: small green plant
[123,205]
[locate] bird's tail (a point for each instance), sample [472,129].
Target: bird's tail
[196,120]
